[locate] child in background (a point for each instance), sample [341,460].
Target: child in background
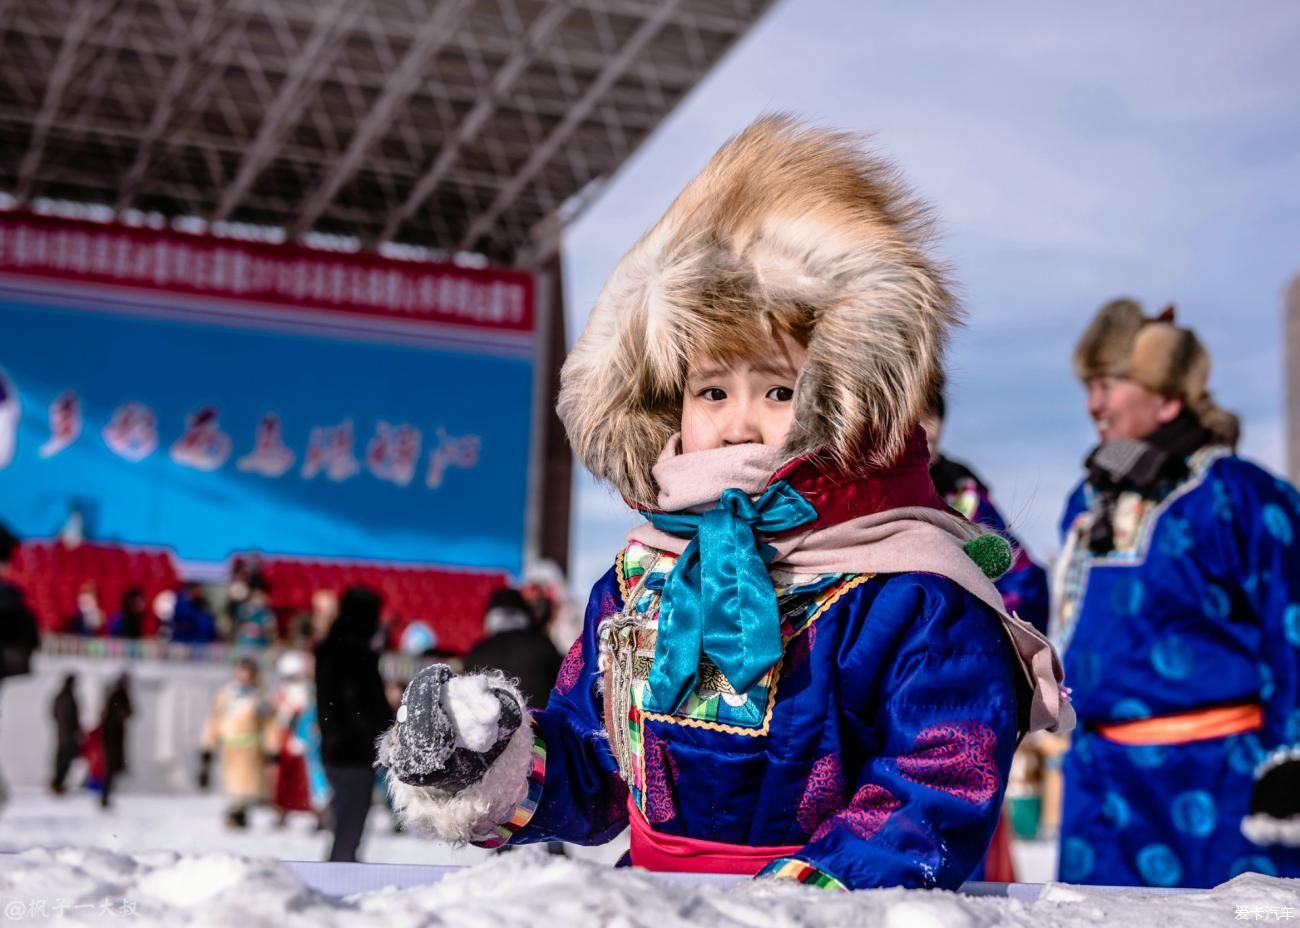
[236,729]
[798,667]
[293,742]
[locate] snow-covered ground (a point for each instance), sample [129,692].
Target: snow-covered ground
[169,860]
[194,824]
[167,888]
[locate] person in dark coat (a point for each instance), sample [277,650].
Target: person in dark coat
[112,733]
[129,621]
[517,645]
[67,731]
[19,637]
[353,712]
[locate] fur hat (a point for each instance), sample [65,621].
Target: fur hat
[1156,353]
[784,223]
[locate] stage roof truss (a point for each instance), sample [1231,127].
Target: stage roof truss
[452,126]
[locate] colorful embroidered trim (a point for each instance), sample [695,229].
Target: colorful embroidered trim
[523,814]
[753,717]
[1075,563]
[636,749]
[632,562]
[792,868]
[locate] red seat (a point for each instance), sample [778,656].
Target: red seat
[451,601]
[52,575]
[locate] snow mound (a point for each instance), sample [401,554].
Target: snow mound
[526,888]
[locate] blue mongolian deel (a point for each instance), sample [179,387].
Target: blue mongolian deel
[181,417]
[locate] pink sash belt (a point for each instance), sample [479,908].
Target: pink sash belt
[654,850]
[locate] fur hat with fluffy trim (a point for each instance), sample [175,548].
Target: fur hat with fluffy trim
[1155,352]
[783,216]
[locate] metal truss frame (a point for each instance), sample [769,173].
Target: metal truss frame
[451,125]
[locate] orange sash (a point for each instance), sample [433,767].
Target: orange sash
[1185,727]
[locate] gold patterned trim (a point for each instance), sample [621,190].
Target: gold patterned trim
[761,731]
[620,576]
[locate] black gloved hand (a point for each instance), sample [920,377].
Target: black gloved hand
[205,770]
[1275,802]
[429,746]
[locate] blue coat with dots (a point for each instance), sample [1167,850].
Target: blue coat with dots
[1197,606]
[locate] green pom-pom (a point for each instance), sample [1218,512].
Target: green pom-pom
[991,553]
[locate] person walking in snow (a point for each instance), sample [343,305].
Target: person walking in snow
[293,741]
[112,735]
[353,712]
[67,732]
[235,731]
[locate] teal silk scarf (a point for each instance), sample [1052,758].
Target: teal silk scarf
[719,600]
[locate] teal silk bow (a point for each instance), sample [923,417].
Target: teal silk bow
[719,599]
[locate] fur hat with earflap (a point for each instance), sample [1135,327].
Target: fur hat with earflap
[1156,353]
[787,230]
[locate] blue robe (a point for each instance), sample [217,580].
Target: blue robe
[879,746]
[1198,606]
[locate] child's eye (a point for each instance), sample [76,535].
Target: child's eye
[712,394]
[780,394]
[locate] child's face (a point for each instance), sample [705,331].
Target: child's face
[750,401]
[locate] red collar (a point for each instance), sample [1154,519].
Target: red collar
[839,495]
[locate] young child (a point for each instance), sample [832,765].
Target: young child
[236,729]
[795,667]
[292,742]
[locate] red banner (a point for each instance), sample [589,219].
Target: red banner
[284,275]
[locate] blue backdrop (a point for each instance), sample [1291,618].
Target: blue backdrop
[447,421]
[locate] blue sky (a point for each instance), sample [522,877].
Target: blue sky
[1072,153]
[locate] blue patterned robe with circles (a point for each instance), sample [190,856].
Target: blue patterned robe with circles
[1197,606]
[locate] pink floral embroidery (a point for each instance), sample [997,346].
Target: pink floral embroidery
[822,794]
[959,759]
[867,813]
[660,774]
[571,669]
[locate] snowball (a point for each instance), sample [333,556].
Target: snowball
[474,707]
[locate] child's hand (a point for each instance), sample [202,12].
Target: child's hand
[449,729]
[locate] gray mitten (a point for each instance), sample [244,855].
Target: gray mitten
[450,729]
